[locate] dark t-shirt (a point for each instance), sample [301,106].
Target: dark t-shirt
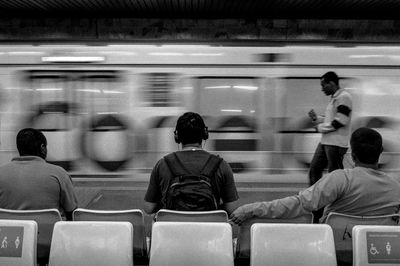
[193,161]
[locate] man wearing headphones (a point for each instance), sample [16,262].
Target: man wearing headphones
[168,187]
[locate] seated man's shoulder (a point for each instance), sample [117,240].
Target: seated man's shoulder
[55,169]
[338,175]
[6,165]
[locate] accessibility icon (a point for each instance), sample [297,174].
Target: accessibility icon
[373,250]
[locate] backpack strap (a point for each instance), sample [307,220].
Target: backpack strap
[178,169]
[211,166]
[175,165]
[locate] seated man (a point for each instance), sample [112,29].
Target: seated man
[362,191]
[191,179]
[28,182]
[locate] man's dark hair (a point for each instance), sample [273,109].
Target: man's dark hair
[366,144]
[190,128]
[331,76]
[29,141]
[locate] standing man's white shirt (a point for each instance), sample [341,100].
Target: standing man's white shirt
[335,128]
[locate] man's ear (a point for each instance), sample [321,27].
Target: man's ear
[354,157]
[43,150]
[333,84]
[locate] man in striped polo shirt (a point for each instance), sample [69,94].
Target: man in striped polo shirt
[334,127]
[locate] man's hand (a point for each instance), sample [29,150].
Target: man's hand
[312,115]
[242,213]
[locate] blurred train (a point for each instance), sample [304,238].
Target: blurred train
[110,110]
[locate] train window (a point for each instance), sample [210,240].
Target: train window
[46,88]
[379,96]
[232,102]
[94,91]
[298,95]
[228,96]
[302,94]
[158,89]
[101,93]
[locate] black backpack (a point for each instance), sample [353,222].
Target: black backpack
[188,191]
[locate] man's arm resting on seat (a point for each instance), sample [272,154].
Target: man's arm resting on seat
[288,207]
[150,207]
[229,207]
[322,193]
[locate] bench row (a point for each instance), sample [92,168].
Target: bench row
[341,224]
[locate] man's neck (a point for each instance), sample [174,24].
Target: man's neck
[367,165]
[192,147]
[337,88]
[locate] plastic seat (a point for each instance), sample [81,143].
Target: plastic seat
[92,244]
[18,241]
[342,226]
[189,243]
[45,219]
[292,244]
[164,215]
[243,246]
[376,245]
[134,216]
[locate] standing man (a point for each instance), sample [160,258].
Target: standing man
[334,127]
[335,130]
[191,179]
[28,182]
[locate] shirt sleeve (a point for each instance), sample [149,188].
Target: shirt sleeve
[68,198]
[322,193]
[228,188]
[320,119]
[153,193]
[343,108]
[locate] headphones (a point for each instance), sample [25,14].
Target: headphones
[177,139]
[204,137]
[176,136]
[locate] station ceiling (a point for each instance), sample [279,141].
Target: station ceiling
[368,9]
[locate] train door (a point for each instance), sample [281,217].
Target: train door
[107,141]
[46,100]
[161,104]
[81,113]
[231,106]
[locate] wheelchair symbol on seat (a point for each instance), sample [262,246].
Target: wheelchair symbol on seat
[373,250]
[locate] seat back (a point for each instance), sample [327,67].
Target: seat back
[134,216]
[18,239]
[190,243]
[292,244]
[376,245]
[45,219]
[165,215]
[92,244]
[243,246]
[342,226]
